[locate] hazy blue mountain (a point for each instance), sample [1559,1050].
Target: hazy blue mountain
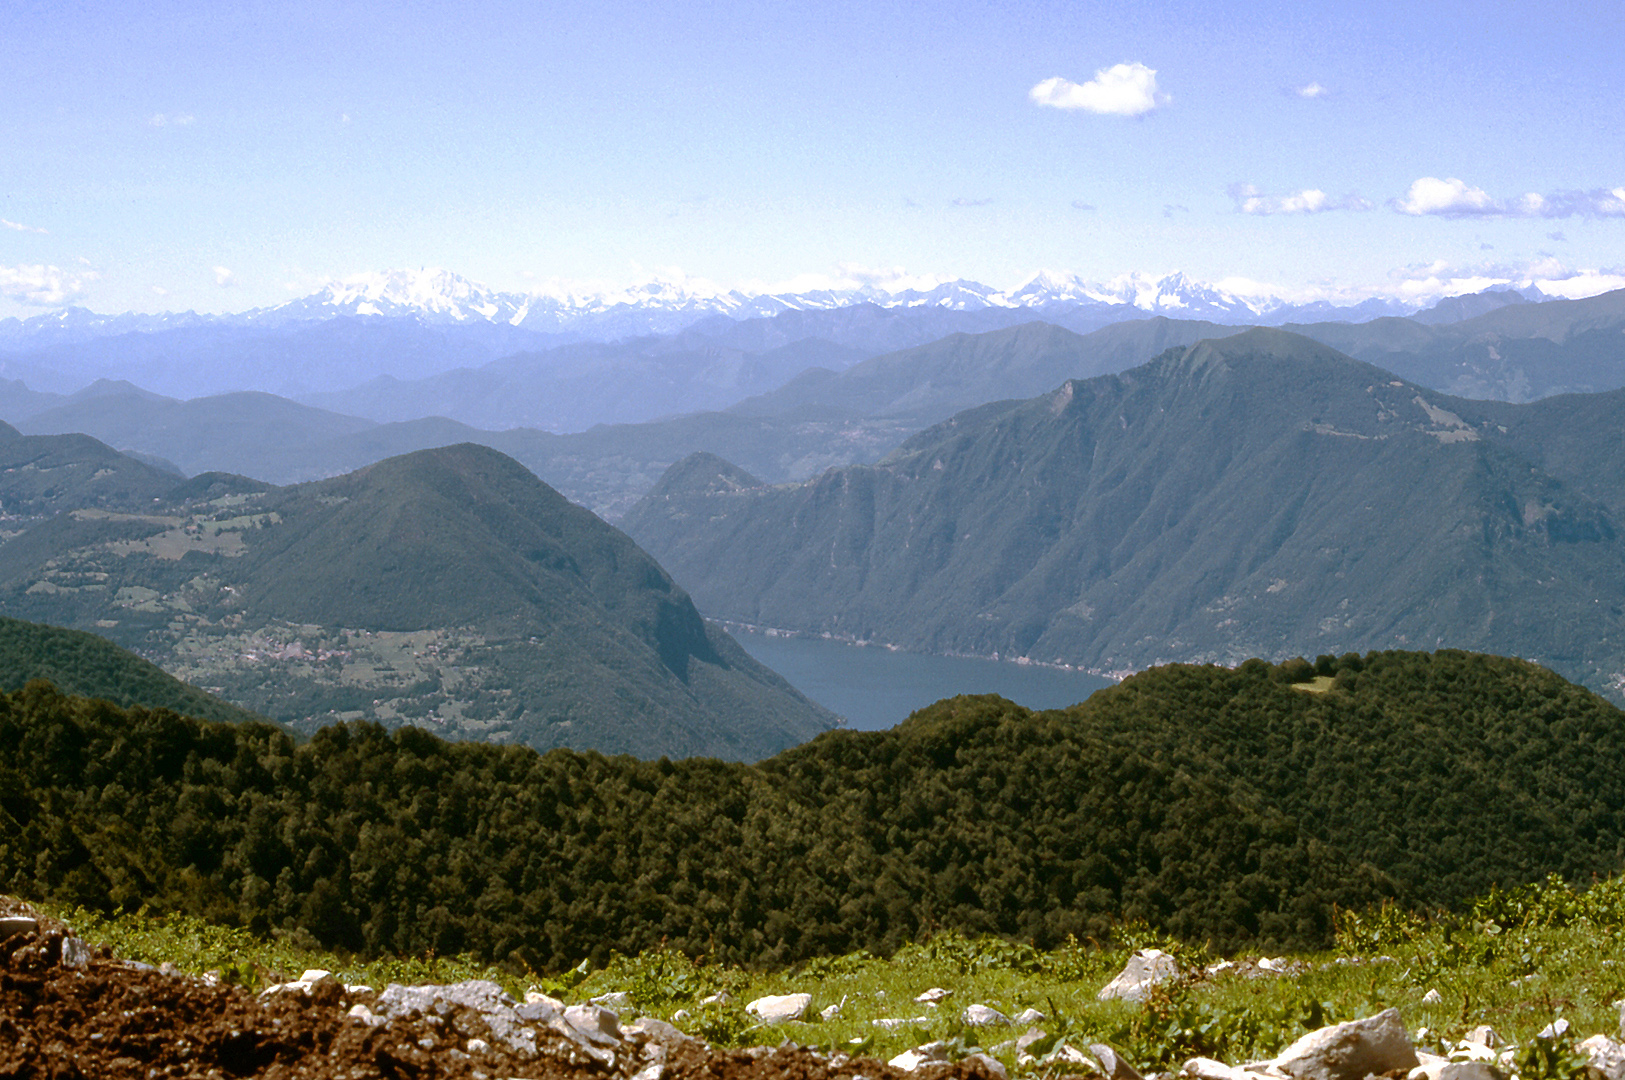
[18,402]
[242,432]
[1516,352]
[1454,309]
[217,356]
[1260,495]
[929,382]
[449,588]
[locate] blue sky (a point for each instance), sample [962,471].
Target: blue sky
[219,157]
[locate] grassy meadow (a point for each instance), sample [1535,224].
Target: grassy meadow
[1515,960]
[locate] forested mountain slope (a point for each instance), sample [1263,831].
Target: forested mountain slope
[448,587]
[1257,495]
[87,665]
[1233,807]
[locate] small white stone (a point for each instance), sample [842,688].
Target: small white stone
[779,1008]
[829,1012]
[477,1046]
[1432,997]
[979,1015]
[934,995]
[1029,1016]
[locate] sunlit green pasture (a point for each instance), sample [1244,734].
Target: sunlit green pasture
[1515,960]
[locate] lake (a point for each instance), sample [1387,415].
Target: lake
[876,688]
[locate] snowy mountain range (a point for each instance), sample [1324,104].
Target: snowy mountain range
[439,297]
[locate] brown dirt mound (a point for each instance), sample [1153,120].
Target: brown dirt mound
[110,1020]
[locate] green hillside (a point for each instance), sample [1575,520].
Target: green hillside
[44,474]
[448,588]
[1258,495]
[1234,807]
[89,666]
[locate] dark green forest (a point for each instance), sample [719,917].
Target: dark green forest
[1229,806]
[79,662]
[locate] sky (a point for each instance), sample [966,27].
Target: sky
[217,157]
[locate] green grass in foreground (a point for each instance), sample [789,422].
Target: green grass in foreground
[1516,960]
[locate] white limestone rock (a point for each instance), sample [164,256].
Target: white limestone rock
[1202,1068]
[1471,1070]
[927,1054]
[1112,1065]
[1144,969]
[780,1008]
[1605,1055]
[979,1015]
[1351,1051]
[17,924]
[934,996]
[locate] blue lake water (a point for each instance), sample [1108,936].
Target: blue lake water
[876,688]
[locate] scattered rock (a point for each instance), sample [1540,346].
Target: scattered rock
[17,924]
[1202,1068]
[990,1065]
[1428,1067]
[1351,1051]
[980,1015]
[1483,1035]
[892,1023]
[1554,1030]
[779,1009]
[1432,997]
[722,997]
[1144,969]
[1112,1065]
[1471,1070]
[75,953]
[534,996]
[1605,1056]
[1028,1037]
[934,995]
[1028,1016]
[616,999]
[658,1031]
[830,1012]
[927,1054]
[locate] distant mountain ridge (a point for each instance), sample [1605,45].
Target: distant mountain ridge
[440,297]
[1257,495]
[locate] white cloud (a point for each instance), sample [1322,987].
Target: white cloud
[172,120]
[1426,282]
[1454,198]
[1447,198]
[223,276]
[42,286]
[159,290]
[1250,200]
[20,228]
[1120,90]
[1310,90]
